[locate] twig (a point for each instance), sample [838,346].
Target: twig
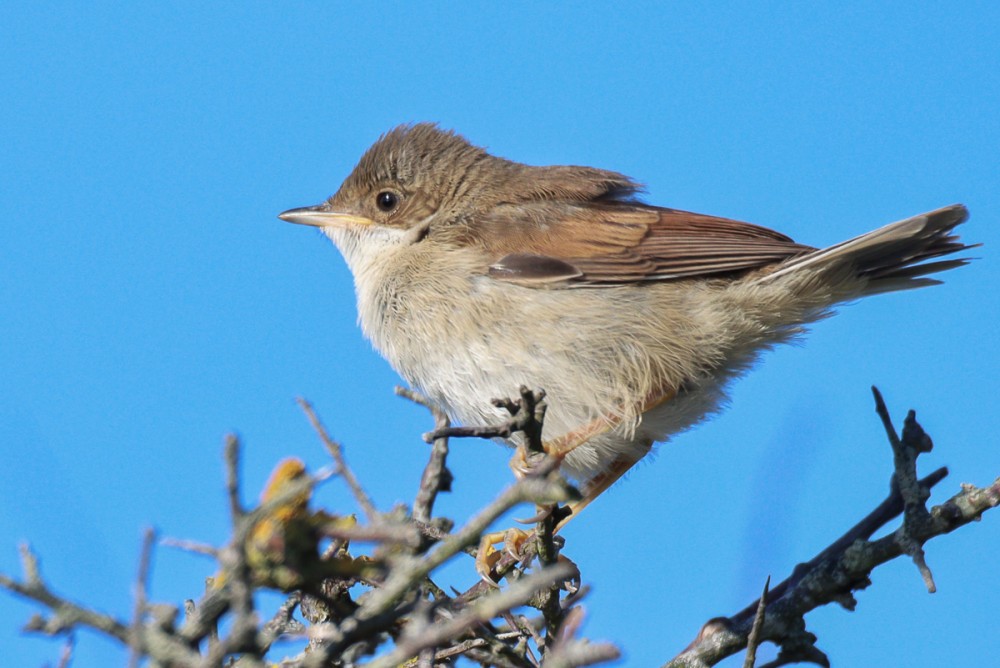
[231,455]
[191,546]
[526,416]
[238,590]
[548,552]
[200,620]
[282,622]
[66,655]
[567,651]
[753,640]
[484,610]
[403,574]
[905,451]
[342,468]
[141,588]
[435,477]
[383,533]
[67,615]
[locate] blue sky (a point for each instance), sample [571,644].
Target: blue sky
[151,302]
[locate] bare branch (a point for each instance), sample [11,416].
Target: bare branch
[484,610]
[141,588]
[232,459]
[403,617]
[342,469]
[753,640]
[845,566]
[436,477]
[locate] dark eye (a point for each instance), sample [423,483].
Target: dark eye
[386,201]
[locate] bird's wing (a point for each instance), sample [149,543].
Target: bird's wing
[614,243]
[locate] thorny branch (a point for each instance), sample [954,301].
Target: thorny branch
[346,604]
[845,566]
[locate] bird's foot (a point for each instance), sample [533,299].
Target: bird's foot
[487,556]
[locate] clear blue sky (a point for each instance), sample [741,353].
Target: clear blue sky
[150,301]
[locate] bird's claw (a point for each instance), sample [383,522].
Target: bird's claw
[487,556]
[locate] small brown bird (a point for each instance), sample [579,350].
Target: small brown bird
[476,275]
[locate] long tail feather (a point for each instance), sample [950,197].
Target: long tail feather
[890,258]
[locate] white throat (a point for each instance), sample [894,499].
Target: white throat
[375,256]
[364,249]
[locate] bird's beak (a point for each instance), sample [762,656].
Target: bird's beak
[321,216]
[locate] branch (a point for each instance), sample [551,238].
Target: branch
[404,617]
[436,477]
[342,469]
[846,565]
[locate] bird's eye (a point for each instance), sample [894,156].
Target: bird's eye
[386,201]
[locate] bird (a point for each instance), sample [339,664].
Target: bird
[476,275]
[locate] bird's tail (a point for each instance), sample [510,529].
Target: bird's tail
[888,259]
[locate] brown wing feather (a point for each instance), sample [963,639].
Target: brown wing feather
[577,245]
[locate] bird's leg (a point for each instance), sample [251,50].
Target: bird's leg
[597,485]
[559,447]
[570,441]
[604,480]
